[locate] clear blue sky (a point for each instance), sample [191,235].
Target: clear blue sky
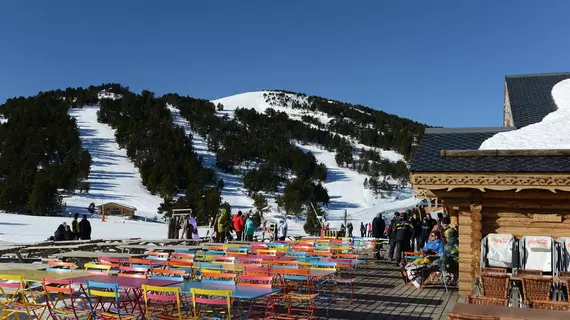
[440,62]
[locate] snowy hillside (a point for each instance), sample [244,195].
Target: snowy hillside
[258,100]
[345,186]
[113,177]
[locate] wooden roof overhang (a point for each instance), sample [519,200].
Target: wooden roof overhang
[424,183]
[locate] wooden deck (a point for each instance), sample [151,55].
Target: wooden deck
[380,294]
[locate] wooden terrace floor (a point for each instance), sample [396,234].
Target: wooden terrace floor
[381,294]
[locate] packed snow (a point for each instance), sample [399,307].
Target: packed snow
[18,228]
[113,177]
[553,132]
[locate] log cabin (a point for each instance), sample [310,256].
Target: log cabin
[519,192]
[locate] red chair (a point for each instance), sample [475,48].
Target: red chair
[264,306]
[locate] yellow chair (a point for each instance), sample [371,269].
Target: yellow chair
[14,298]
[211,303]
[97,269]
[163,303]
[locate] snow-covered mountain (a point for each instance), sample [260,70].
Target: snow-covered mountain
[114,178]
[345,186]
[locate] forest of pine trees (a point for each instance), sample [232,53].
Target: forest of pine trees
[40,151]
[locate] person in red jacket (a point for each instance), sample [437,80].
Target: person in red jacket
[239,225]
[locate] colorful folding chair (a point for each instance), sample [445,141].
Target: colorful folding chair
[62,298]
[208,304]
[265,306]
[59,266]
[97,269]
[105,302]
[168,274]
[163,303]
[14,298]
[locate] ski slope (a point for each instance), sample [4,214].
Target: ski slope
[233,191]
[113,177]
[345,186]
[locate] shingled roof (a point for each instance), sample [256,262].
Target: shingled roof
[531,96]
[530,99]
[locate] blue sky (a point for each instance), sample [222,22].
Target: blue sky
[439,62]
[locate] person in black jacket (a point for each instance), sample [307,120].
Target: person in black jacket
[404,231]
[392,235]
[362,229]
[84,229]
[59,234]
[378,226]
[426,227]
[68,233]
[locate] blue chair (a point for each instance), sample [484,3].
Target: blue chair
[222,282]
[60,270]
[107,293]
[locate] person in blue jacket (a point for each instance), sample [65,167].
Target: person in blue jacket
[434,244]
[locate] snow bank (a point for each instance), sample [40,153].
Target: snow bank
[553,132]
[113,177]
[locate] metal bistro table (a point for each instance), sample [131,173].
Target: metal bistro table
[248,294]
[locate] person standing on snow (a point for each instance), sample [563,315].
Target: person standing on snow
[282,230]
[223,225]
[194,226]
[370,230]
[350,228]
[85,229]
[362,229]
[378,226]
[238,225]
[75,226]
[249,229]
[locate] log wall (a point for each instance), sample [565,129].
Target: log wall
[510,212]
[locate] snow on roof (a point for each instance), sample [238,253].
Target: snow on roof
[553,132]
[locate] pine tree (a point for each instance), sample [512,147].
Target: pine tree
[261,204]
